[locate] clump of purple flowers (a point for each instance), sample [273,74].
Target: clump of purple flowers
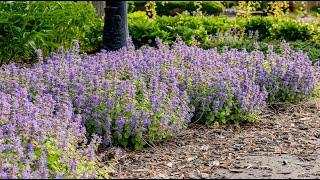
[39,136]
[288,76]
[131,97]
[218,90]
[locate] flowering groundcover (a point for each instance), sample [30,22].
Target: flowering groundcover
[55,114]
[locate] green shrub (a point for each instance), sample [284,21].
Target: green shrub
[49,25]
[142,29]
[260,24]
[201,28]
[174,7]
[310,47]
[284,28]
[46,25]
[229,4]
[190,28]
[241,40]
[291,30]
[214,7]
[131,6]
[315,9]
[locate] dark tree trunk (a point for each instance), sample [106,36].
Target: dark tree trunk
[115,32]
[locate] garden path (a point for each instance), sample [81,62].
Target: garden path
[285,144]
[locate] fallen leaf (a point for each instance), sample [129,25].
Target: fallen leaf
[216,125]
[191,159]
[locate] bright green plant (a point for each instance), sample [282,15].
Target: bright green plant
[245,8]
[278,8]
[143,28]
[151,9]
[214,7]
[47,25]
[200,28]
[131,6]
[174,7]
[260,24]
[291,30]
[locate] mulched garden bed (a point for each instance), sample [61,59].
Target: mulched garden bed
[285,144]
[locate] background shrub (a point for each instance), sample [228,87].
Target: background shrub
[290,30]
[260,24]
[310,47]
[42,31]
[315,9]
[144,29]
[46,25]
[201,27]
[131,6]
[171,8]
[212,8]
[210,32]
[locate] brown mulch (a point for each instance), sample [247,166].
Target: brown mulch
[285,144]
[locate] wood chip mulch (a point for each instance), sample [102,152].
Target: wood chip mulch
[284,144]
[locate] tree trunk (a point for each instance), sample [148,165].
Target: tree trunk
[115,32]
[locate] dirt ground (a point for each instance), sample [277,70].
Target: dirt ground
[285,144]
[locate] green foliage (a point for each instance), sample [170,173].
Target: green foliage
[229,4]
[241,40]
[315,9]
[221,31]
[214,7]
[55,165]
[49,25]
[260,24]
[278,8]
[291,30]
[316,93]
[143,28]
[200,28]
[174,7]
[231,112]
[283,28]
[151,9]
[310,47]
[83,163]
[246,8]
[131,6]
[46,25]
